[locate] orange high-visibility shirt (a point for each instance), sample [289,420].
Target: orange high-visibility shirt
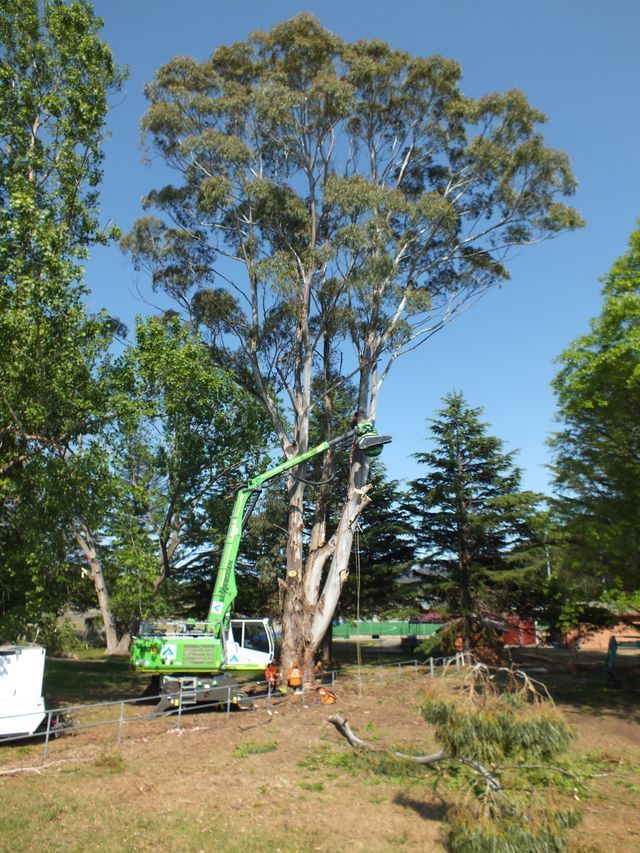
[271,673]
[295,677]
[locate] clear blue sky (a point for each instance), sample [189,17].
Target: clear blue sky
[577,60]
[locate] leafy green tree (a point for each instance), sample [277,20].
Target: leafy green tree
[472,517]
[37,576]
[180,431]
[333,198]
[133,501]
[185,433]
[597,451]
[55,79]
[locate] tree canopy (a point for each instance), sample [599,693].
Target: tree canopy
[56,76]
[107,464]
[597,451]
[183,432]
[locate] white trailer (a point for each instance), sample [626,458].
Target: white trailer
[21,703]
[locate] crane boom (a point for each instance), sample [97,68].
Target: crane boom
[225,589]
[221,643]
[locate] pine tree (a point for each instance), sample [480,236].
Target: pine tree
[472,519]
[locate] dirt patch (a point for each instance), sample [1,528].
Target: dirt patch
[213,775]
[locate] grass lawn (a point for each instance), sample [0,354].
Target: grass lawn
[281,778]
[93,677]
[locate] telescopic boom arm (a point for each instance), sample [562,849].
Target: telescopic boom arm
[225,590]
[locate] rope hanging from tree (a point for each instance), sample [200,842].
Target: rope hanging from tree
[358,578]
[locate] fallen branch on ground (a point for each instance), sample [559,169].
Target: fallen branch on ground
[42,767]
[347,732]
[482,681]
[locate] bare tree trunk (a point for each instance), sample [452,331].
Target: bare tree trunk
[295,606]
[312,594]
[114,645]
[338,571]
[311,603]
[326,647]
[308,612]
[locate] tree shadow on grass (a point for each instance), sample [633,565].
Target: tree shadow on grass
[579,680]
[102,679]
[589,694]
[427,810]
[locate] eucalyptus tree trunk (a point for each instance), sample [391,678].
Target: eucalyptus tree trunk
[114,645]
[312,594]
[313,586]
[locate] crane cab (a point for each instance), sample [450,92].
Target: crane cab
[245,645]
[248,644]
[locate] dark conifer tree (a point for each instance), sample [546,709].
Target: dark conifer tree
[472,518]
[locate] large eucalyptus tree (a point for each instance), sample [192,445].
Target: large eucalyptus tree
[335,204]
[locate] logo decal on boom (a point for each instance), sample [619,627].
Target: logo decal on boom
[168,652]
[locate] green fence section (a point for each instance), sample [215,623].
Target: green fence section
[384,629]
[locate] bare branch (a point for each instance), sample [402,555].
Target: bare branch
[343,728]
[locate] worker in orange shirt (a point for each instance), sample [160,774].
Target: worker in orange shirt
[271,675]
[295,678]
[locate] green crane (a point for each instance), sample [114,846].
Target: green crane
[195,659]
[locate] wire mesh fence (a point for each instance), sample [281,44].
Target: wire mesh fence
[124,716]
